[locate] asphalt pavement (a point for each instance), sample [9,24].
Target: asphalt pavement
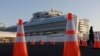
[47,50]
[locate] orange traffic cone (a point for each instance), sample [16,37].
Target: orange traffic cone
[71,47]
[20,47]
[33,42]
[52,41]
[42,42]
[96,41]
[84,43]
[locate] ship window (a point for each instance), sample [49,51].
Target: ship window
[38,16]
[46,13]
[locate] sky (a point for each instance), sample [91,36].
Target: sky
[12,10]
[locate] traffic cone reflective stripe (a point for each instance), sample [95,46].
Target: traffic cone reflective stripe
[20,47]
[71,47]
[96,41]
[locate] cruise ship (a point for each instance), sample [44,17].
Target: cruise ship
[46,23]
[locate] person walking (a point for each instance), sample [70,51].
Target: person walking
[91,35]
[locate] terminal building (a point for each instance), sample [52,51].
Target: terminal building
[51,22]
[7,37]
[83,26]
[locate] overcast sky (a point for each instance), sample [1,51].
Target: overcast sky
[12,10]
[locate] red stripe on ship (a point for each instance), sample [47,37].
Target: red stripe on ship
[70,32]
[20,34]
